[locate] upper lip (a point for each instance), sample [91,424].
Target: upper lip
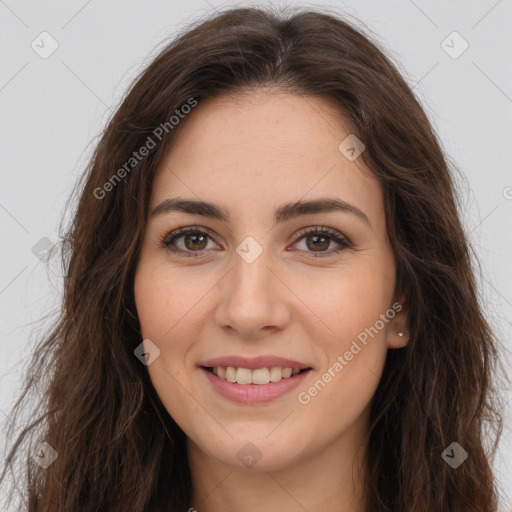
[253,363]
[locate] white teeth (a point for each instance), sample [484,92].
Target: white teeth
[275,374]
[231,374]
[259,376]
[244,376]
[287,372]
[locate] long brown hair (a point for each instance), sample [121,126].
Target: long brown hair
[118,448]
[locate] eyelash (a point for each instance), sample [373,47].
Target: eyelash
[337,237]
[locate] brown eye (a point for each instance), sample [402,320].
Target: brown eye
[195,241]
[316,242]
[188,241]
[320,242]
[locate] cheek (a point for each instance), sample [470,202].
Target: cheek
[353,347]
[348,303]
[349,299]
[160,322]
[161,308]
[162,302]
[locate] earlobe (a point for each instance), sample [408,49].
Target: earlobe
[398,333]
[398,339]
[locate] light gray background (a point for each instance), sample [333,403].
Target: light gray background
[51,109]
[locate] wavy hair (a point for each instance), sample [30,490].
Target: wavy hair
[118,448]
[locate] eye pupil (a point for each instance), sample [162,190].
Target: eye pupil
[197,238]
[317,244]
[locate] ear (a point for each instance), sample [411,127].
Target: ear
[398,332]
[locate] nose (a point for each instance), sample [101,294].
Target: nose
[253,300]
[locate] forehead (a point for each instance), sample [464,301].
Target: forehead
[256,150]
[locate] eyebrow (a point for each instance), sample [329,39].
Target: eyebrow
[285,212]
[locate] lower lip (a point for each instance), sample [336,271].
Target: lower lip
[254,393]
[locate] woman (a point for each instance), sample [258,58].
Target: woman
[269,303]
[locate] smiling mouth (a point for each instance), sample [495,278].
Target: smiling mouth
[260,376]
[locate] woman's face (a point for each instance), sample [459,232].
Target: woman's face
[288,266]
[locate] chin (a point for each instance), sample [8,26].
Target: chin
[258,453]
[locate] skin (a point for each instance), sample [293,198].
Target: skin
[251,153]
